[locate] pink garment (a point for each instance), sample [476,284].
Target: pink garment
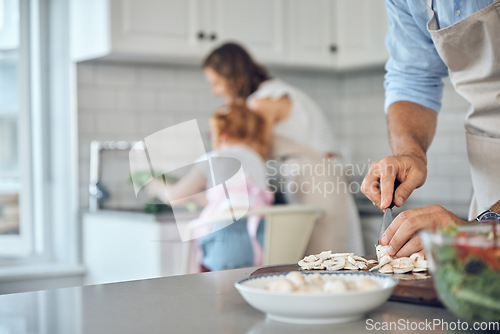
[257,198]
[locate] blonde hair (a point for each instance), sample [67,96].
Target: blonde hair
[239,123]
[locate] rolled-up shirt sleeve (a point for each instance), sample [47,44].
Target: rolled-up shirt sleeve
[414,71]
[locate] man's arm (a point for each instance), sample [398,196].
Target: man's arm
[496,207]
[413,90]
[411,129]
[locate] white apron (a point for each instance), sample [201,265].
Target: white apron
[339,230]
[471,50]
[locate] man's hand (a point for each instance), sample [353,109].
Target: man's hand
[378,184]
[411,129]
[400,235]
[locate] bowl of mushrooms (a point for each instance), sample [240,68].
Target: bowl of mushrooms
[316,297]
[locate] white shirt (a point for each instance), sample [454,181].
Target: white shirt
[306,124]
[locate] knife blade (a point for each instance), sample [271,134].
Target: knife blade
[386,221]
[387,218]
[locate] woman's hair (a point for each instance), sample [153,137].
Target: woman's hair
[234,63]
[237,122]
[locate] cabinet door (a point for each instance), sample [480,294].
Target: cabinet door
[362,26]
[257,24]
[156,27]
[312,33]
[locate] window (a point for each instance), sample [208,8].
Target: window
[38,157]
[15,225]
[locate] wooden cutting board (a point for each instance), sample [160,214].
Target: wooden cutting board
[409,289]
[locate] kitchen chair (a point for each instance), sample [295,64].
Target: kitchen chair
[286,235]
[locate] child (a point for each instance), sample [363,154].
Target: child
[237,135]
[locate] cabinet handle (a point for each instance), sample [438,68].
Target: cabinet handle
[201,35]
[333,48]
[213,37]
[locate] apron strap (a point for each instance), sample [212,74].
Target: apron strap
[430,15]
[431,23]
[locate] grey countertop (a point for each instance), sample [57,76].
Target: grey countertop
[199,303]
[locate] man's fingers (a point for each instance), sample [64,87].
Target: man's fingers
[390,231]
[370,187]
[412,182]
[408,225]
[386,189]
[378,184]
[414,245]
[410,222]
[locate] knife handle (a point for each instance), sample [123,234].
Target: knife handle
[396,185]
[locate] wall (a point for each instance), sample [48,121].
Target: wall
[129,102]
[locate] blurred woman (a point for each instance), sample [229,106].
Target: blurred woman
[301,142]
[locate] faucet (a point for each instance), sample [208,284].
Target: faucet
[97,192]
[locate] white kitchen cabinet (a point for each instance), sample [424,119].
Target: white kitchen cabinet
[334,34]
[258,24]
[312,33]
[136,29]
[361,30]
[337,33]
[156,27]
[165,30]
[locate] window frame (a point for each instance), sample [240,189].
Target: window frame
[49,132]
[21,245]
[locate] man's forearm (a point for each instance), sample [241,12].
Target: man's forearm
[411,128]
[496,207]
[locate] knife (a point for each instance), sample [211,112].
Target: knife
[387,218]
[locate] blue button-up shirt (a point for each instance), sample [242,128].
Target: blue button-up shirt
[414,69]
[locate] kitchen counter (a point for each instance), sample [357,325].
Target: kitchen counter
[200,303]
[167,217]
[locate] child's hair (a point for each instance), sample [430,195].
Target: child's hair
[237,122]
[234,63]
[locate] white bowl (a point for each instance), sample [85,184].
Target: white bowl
[316,308]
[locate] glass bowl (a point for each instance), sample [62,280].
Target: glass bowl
[465,264]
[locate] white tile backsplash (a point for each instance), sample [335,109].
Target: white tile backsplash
[182,101]
[156,76]
[108,123]
[115,75]
[86,74]
[136,100]
[130,102]
[149,124]
[95,97]
[86,123]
